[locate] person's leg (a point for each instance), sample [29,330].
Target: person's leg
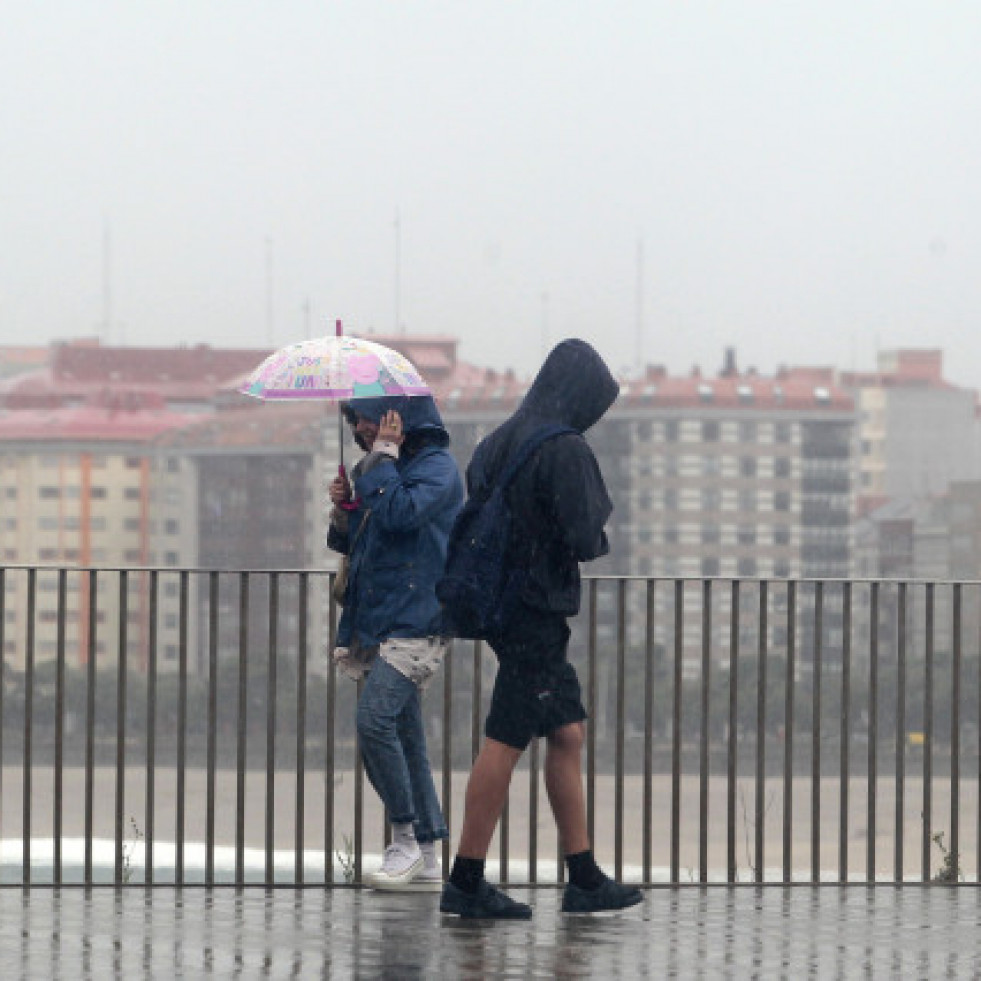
[429,824]
[487,793]
[563,783]
[382,701]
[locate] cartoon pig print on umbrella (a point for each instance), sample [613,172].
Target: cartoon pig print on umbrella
[365,369]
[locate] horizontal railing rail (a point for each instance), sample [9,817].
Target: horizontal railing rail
[185,726]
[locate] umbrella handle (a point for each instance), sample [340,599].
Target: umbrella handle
[347,505]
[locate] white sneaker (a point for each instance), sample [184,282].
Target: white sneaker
[401,865]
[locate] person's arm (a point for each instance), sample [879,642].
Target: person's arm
[405,503]
[578,496]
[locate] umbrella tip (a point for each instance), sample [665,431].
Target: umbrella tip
[339,328]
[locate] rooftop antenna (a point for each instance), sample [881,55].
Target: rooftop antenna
[639,310]
[544,325]
[399,326]
[106,281]
[269,291]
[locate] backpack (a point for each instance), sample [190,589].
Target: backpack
[477,590]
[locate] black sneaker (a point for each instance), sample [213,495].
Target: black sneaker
[487,903]
[609,895]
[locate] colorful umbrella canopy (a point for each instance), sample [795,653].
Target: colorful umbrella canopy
[334,368]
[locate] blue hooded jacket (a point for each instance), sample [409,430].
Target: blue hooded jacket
[409,505]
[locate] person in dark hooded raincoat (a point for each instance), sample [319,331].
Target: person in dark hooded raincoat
[393,525]
[559,507]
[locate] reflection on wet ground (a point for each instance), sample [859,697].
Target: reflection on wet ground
[743,932]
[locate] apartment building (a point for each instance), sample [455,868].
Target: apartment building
[75,491]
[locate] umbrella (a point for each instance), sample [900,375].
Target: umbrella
[334,369]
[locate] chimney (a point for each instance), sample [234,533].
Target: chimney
[729,369]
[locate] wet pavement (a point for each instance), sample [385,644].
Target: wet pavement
[687,932]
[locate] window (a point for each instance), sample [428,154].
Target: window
[10,493]
[711,534]
[781,535]
[711,499]
[747,466]
[98,493]
[747,432]
[132,524]
[781,501]
[781,432]
[132,493]
[781,466]
[746,535]
[710,566]
[670,536]
[172,527]
[49,493]
[746,567]
[747,501]
[710,432]
[671,431]
[133,462]
[47,522]
[671,499]
[97,523]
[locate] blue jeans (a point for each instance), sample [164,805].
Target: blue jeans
[393,747]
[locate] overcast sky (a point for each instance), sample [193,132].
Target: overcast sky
[799,180]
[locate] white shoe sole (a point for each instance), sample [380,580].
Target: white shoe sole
[413,885]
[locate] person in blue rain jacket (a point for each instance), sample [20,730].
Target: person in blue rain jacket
[393,523]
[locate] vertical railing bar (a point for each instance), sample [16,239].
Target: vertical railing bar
[591,712]
[3,680]
[648,805]
[788,753]
[28,774]
[703,747]
[59,746]
[447,752]
[955,730]
[977,848]
[182,652]
[618,761]
[90,724]
[359,798]
[900,730]
[761,682]
[845,737]
[121,664]
[873,775]
[271,728]
[816,734]
[533,812]
[476,697]
[151,727]
[241,728]
[329,743]
[928,736]
[303,585]
[212,730]
[679,600]
[733,726]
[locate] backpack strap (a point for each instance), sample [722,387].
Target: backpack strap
[523,453]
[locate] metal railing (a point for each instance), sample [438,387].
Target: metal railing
[741,731]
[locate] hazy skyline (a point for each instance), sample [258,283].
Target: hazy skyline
[803,178]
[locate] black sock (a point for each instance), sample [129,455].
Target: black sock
[467,873]
[583,870]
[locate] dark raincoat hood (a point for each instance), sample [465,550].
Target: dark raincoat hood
[573,387]
[419,415]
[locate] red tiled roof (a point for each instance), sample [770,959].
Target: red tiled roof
[87,423]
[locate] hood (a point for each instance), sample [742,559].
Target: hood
[419,413]
[573,387]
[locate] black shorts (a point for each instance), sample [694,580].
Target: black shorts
[537,690]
